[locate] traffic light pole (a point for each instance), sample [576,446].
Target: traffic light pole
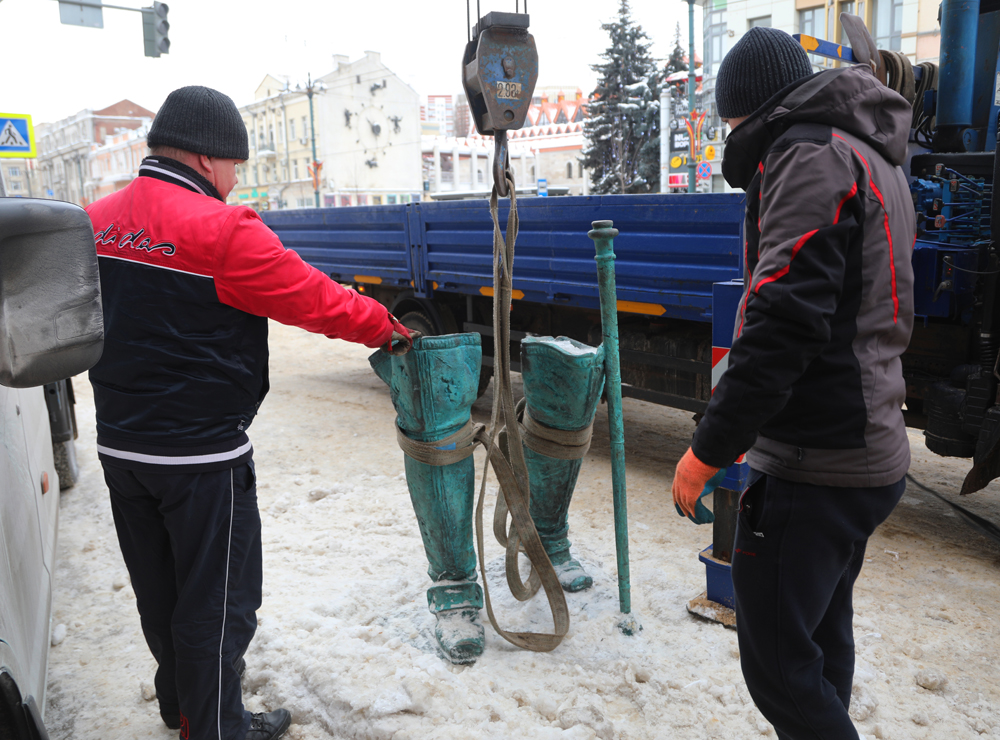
[89,13]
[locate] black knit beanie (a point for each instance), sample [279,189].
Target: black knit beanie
[200,120]
[760,64]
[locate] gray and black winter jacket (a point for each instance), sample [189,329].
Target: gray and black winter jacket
[814,387]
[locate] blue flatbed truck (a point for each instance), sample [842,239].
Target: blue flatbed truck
[431,264]
[679,266]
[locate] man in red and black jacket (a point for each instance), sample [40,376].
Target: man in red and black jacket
[188,284]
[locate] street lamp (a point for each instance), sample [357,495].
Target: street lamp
[311,89]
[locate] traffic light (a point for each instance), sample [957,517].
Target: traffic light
[155,29]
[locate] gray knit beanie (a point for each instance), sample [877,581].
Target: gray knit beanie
[200,120]
[760,64]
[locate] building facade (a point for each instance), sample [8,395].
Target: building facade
[279,129]
[115,164]
[64,148]
[909,26]
[371,148]
[17,178]
[548,147]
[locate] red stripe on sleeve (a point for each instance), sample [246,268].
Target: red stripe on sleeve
[888,232]
[853,191]
[784,270]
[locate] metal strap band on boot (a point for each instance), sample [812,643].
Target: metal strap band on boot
[556,443]
[431,453]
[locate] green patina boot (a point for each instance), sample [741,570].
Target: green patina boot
[433,388]
[563,380]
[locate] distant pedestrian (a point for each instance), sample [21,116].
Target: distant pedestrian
[814,388]
[188,284]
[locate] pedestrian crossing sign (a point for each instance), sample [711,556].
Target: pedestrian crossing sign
[17,136]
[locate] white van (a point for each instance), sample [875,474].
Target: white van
[51,328]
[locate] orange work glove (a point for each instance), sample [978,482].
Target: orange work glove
[692,480]
[400,342]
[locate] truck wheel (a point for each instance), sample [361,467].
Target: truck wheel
[418,321]
[64,454]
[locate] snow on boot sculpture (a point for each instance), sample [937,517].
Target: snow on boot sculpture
[563,380]
[433,388]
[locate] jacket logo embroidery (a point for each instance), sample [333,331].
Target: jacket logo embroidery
[132,240]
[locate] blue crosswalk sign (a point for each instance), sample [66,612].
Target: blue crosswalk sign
[17,136]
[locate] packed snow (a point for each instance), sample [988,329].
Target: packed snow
[346,643]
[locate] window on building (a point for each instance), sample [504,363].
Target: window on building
[578,116]
[887,24]
[362,200]
[569,170]
[763,22]
[376,200]
[580,170]
[479,173]
[284,172]
[295,169]
[305,128]
[715,32]
[811,24]
[543,119]
[832,19]
[390,200]
[532,173]
[14,171]
[15,186]
[345,200]
[291,128]
[281,133]
[561,118]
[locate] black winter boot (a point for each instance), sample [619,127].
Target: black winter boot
[269,725]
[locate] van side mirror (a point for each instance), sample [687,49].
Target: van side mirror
[51,323]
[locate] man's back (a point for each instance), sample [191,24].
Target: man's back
[179,365]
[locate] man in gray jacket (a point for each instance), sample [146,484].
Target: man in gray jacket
[814,388]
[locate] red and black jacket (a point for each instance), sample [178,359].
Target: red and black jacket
[188,284]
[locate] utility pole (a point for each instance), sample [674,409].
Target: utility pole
[310,91]
[691,88]
[666,112]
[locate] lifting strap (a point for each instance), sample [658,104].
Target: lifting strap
[505,453]
[508,461]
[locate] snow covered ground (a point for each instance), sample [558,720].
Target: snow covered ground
[345,639]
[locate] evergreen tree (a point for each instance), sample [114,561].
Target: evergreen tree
[623,128]
[678,57]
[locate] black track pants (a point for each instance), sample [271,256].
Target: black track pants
[191,543]
[799,549]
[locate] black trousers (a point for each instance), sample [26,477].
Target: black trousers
[192,546]
[799,550]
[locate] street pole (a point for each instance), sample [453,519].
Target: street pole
[665,113]
[312,128]
[691,87]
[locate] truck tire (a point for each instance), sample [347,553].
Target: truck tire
[419,321]
[64,454]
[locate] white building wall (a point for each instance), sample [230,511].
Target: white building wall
[357,161]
